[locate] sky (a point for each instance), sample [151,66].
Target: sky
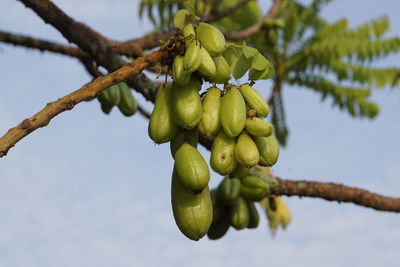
[93,190]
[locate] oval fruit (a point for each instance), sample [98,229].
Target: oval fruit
[268,148]
[183,136]
[223,71]
[181,77]
[223,154]
[228,190]
[191,168]
[211,38]
[253,188]
[218,228]
[254,100]
[219,209]
[127,104]
[257,127]
[233,112]
[210,123]
[186,107]
[246,151]
[192,212]
[192,58]
[254,219]
[161,128]
[239,214]
[207,66]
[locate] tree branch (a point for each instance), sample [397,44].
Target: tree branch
[52,109]
[255,28]
[93,43]
[336,192]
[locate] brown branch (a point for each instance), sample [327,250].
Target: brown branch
[42,45]
[52,109]
[255,28]
[336,192]
[93,43]
[144,112]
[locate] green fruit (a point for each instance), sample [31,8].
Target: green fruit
[210,123]
[192,58]
[104,97]
[223,71]
[106,108]
[246,151]
[257,127]
[181,77]
[239,171]
[228,190]
[219,210]
[268,148]
[183,136]
[161,128]
[207,66]
[254,219]
[218,228]
[114,94]
[191,168]
[222,154]
[211,38]
[239,214]
[127,105]
[192,212]
[186,105]
[189,30]
[254,100]
[233,112]
[253,188]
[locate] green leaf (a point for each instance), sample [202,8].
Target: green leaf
[181,18]
[231,53]
[240,66]
[248,51]
[260,62]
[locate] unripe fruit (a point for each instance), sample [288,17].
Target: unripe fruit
[189,30]
[218,228]
[210,123]
[181,77]
[254,219]
[189,136]
[239,171]
[223,70]
[246,151]
[253,188]
[161,128]
[207,66]
[239,214]
[186,105]
[223,154]
[114,94]
[219,210]
[254,100]
[228,190]
[191,168]
[127,104]
[192,212]
[211,38]
[192,58]
[233,112]
[257,127]
[268,148]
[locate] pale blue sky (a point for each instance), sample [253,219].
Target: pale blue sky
[93,190]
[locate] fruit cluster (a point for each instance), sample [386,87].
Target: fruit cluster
[118,95]
[233,117]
